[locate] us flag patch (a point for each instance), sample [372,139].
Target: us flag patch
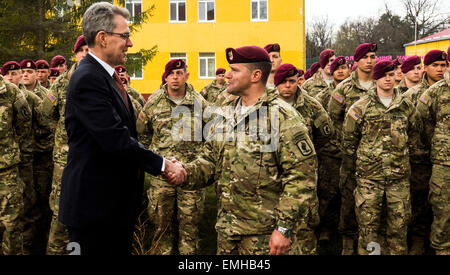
[338,98]
[51,96]
[141,117]
[354,115]
[424,99]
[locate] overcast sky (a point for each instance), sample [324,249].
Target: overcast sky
[339,10]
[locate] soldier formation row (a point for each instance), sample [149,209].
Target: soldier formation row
[347,145]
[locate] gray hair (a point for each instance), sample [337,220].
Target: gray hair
[100,17]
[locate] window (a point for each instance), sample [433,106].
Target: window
[177,11]
[206,11]
[259,10]
[207,65]
[134,7]
[134,63]
[182,56]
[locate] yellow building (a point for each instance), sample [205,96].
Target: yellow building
[437,41]
[199,31]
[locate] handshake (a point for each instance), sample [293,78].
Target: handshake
[174,172]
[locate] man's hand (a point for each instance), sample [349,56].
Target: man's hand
[174,172]
[278,244]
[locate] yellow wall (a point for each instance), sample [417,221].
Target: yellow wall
[422,49]
[232,28]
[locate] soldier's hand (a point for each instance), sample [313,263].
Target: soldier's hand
[174,172]
[278,244]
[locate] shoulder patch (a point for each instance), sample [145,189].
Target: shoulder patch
[338,98]
[51,96]
[353,114]
[424,99]
[304,147]
[141,116]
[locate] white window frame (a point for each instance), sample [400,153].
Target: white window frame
[132,13]
[133,77]
[207,58]
[206,11]
[258,9]
[185,11]
[179,57]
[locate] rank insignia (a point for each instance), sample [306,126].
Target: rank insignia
[230,55]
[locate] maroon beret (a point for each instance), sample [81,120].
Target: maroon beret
[10,66]
[247,54]
[363,49]
[28,64]
[272,48]
[173,64]
[120,69]
[58,60]
[220,71]
[325,56]
[398,61]
[54,72]
[381,68]
[80,43]
[433,56]
[42,64]
[308,74]
[410,62]
[283,72]
[300,72]
[354,66]
[314,68]
[339,61]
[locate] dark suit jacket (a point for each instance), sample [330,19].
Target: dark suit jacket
[102,182]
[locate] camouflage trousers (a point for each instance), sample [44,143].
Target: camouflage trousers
[11,209]
[347,220]
[421,209]
[164,202]
[304,241]
[328,192]
[243,245]
[440,201]
[58,236]
[369,196]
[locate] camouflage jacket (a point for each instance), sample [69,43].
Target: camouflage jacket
[173,130]
[331,148]
[38,134]
[415,92]
[15,124]
[434,108]
[316,118]
[211,91]
[136,96]
[376,140]
[315,84]
[263,180]
[343,97]
[401,87]
[224,96]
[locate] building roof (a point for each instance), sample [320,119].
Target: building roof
[443,35]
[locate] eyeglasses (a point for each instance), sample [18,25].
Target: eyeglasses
[125,35]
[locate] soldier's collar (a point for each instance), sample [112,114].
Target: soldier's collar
[299,98]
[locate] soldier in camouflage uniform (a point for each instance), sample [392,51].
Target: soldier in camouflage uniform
[265,184]
[123,73]
[378,133]
[156,125]
[301,77]
[421,167]
[53,107]
[324,78]
[434,107]
[42,73]
[399,76]
[329,156]
[319,127]
[15,127]
[344,96]
[211,91]
[137,107]
[412,70]
[274,51]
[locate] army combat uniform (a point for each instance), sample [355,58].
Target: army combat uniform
[344,96]
[136,96]
[315,84]
[434,107]
[262,182]
[211,91]
[15,126]
[157,128]
[401,87]
[376,142]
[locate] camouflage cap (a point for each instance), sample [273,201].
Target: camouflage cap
[220,71]
[410,62]
[42,64]
[381,68]
[325,56]
[10,66]
[363,49]
[433,56]
[247,54]
[58,60]
[272,48]
[283,72]
[28,64]
[339,61]
[81,41]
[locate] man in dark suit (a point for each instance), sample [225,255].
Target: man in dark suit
[102,184]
